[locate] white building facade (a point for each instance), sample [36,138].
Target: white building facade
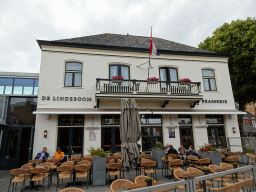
[79,104]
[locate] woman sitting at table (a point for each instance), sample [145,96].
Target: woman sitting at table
[59,155]
[182,152]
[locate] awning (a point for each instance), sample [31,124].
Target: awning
[61,111]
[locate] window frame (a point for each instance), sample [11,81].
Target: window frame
[208,80]
[119,69]
[168,73]
[73,72]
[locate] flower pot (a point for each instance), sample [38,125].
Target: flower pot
[117,80]
[206,172]
[235,165]
[185,83]
[152,82]
[149,183]
[75,162]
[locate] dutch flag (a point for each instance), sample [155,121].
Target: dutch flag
[152,47]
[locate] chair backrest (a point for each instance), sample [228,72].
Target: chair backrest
[214,168]
[236,187]
[47,165]
[229,153]
[147,156]
[238,153]
[27,166]
[174,156]
[72,189]
[176,162]
[76,156]
[120,184]
[84,162]
[144,160]
[63,168]
[148,164]
[117,160]
[74,159]
[140,179]
[87,157]
[204,161]
[38,170]
[232,158]
[192,157]
[53,160]
[250,155]
[223,150]
[196,172]
[226,166]
[247,183]
[108,158]
[19,171]
[35,161]
[169,159]
[178,174]
[82,167]
[114,166]
[68,163]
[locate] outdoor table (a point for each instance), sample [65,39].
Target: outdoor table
[137,186]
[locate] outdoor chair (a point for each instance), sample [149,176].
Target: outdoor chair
[113,169]
[84,162]
[165,164]
[54,162]
[39,174]
[174,156]
[27,166]
[191,159]
[202,163]
[108,158]
[239,154]
[223,151]
[49,166]
[115,161]
[220,180]
[229,153]
[232,187]
[248,183]
[87,157]
[232,159]
[82,171]
[72,189]
[251,156]
[71,163]
[148,167]
[77,156]
[120,184]
[175,164]
[18,176]
[141,179]
[35,161]
[64,172]
[179,174]
[74,159]
[117,156]
[147,156]
[196,173]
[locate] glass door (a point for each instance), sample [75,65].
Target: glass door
[216,136]
[186,136]
[70,140]
[110,139]
[150,135]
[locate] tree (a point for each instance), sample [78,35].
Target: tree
[238,40]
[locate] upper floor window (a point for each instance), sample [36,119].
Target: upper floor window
[119,70]
[168,74]
[73,74]
[209,80]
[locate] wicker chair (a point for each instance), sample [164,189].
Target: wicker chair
[147,156]
[77,156]
[251,156]
[117,156]
[49,166]
[140,179]
[165,164]
[108,158]
[117,161]
[113,169]
[120,184]
[35,161]
[174,156]
[148,167]
[82,171]
[87,157]
[74,159]
[231,159]
[72,189]
[40,174]
[233,187]
[84,162]
[229,153]
[175,164]
[71,163]
[54,161]
[178,174]
[64,172]
[190,159]
[203,163]
[27,166]
[220,180]
[196,173]
[18,176]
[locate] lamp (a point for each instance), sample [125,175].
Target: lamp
[45,133]
[234,129]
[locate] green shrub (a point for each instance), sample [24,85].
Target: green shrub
[97,152]
[159,146]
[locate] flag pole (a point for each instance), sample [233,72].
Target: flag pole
[149,64]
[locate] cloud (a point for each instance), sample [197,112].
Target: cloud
[183,21]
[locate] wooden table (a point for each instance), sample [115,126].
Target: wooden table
[137,186]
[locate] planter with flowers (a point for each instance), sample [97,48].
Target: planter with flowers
[117,79]
[209,151]
[99,166]
[206,171]
[185,81]
[149,181]
[157,153]
[152,80]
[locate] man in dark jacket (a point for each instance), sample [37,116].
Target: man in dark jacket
[191,151]
[43,155]
[172,150]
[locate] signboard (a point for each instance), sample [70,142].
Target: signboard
[92,135]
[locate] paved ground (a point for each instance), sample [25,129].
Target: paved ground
[5,179]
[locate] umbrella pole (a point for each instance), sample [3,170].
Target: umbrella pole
[127,173]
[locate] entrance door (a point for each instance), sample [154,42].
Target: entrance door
[110,139]
[216,136]
[186,136]
[16,147]
[70,140]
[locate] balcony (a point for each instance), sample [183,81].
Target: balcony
[144,89]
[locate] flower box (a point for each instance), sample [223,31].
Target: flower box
[99,171]
[185,83]
[117,80]
[152,82]
[157,155]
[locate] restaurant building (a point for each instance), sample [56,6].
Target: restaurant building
[79,103]
[18,100]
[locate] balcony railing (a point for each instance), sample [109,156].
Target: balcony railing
[146,87]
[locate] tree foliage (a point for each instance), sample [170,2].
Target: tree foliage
[238,40]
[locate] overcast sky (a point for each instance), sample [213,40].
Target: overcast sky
[183,21]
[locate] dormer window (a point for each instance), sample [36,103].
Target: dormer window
[73,74]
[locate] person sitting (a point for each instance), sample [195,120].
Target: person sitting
[191,151]
[167,149]
[172,150]
[59,155]
[43,155]
[182,152]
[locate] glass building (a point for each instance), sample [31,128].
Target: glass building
[18,100]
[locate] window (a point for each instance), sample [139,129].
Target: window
[168,74]
[119,70]
[6,85]
[73,74]
[209,80]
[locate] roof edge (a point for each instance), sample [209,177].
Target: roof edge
[130,49]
